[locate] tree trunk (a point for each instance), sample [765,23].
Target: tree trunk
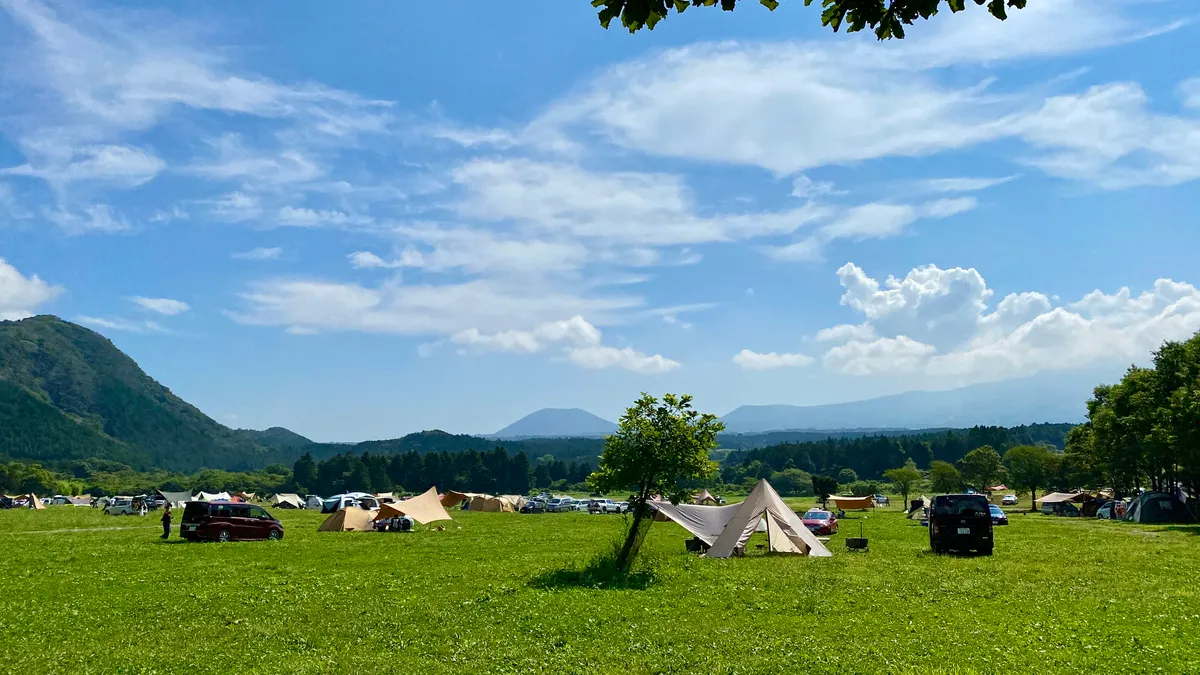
[636,535]
[1033,499]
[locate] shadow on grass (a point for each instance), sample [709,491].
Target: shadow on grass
[601,573]
[1186,529]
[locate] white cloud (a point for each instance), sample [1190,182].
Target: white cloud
[627,358]
[1189,92]
[119,164]
[935,327]
[260,253]
[806,188]
[93,218]
[115,323]
[302,217]
[20,296]
[750,360]
[846,332]
[235,161]
[368,260]
[235,207]
[961,184]
[165,306]
[472,138]
[165,216]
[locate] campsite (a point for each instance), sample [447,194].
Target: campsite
[510,593]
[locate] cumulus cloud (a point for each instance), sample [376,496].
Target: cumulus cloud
[20,296]
[627,358]
[581,342]
[164,306]
[124,325]
[750,360]
[939,326]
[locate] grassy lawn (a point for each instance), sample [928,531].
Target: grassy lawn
[1059,596]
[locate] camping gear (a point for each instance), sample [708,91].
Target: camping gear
[858,543]
[425,508]
[287,500]
[853,503]
[1158,507]
[349,519]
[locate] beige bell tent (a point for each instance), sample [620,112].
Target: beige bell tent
[454,498]
[728,528]
[424,508]
[517,501]
[490,504]
[853,503]
[704,498]
[287,500]
[349,519]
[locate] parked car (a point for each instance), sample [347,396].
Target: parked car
[1009,500]
[960,523]
[1066,509]
[228,521]
[580,505]
[360,499]
[603,506]
[819,521]
[534,506]
[881,500]
[625,506]
[121,507]
[559,504]
[1111,510]
[999,517]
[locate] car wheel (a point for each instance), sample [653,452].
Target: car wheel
[274,535]
[224,536]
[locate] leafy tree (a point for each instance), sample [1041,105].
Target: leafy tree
[904,478]
[304,473]
[823,486]
[656,447]
[944,477]
[1031,467]
[887,19]
[792,483]
[982,467]
[847,476]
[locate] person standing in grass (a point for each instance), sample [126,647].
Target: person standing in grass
[166,520]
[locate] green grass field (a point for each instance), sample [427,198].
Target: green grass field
[499,595]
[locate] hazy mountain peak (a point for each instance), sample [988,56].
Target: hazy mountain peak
[558,422]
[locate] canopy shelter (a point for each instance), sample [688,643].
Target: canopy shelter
[917,506]
[212,497]
[349,519]
[177,500]
[245,496]
[287,500]
[1059,497]
[997,488]
[704,498]
[726,528]
[424,508]
[454,498]
[852,503]
[81,500]
[1158,507]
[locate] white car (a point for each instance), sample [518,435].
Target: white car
[1009,500]
[121,507]
[603,506]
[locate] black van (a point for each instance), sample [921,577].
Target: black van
[960,523]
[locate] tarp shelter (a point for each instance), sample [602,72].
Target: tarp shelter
[177,500]
[917,506]
[245,496]
[454,498]
[997,488]
[489,504]
[853,503]
[81,500]
[212,497]
[35,503]
[287,500]
[349,519]
[704,498]
[1058,497]
[1158,507]
[726,528]
[425,508]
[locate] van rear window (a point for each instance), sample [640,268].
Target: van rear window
[960,505]
[195,511]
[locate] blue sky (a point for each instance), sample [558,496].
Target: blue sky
[359,221]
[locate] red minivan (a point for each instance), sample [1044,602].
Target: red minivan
[227,521]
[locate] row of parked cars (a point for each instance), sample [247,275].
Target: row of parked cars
[546,503]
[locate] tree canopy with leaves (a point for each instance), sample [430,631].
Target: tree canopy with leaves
[1031,467]
[982,467]
[904,478]
[944,477]
[656,449]
[886,17]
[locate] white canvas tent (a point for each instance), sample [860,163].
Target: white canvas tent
[212,497]
[177,500]
[726,528]
[288,500]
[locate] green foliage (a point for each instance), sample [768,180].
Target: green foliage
[824,486]
[847,476]
[863,488]
[656,450]
[1031,467]
[981,467]
[887,19]
[944,477]
[904,478]
[792,483]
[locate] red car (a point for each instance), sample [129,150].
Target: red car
[227,521]
[820,522]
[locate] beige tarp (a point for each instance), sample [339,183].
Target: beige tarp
[424,508]
[790,534]
[703,498]
[348,519]
[517,501]
[35,502]
[853,503]
[288,500]
[453,498]
[705,522]
[1058,497]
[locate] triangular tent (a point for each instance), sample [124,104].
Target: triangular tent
[348,519]
[177,500]
[35,503]
[454,498]
[704,498]
[287,500]
[918,506]
[791,536]
[853,503]
[424,508]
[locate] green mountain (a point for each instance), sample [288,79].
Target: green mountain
[67,392]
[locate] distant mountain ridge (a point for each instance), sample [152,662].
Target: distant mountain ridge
[558,423]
